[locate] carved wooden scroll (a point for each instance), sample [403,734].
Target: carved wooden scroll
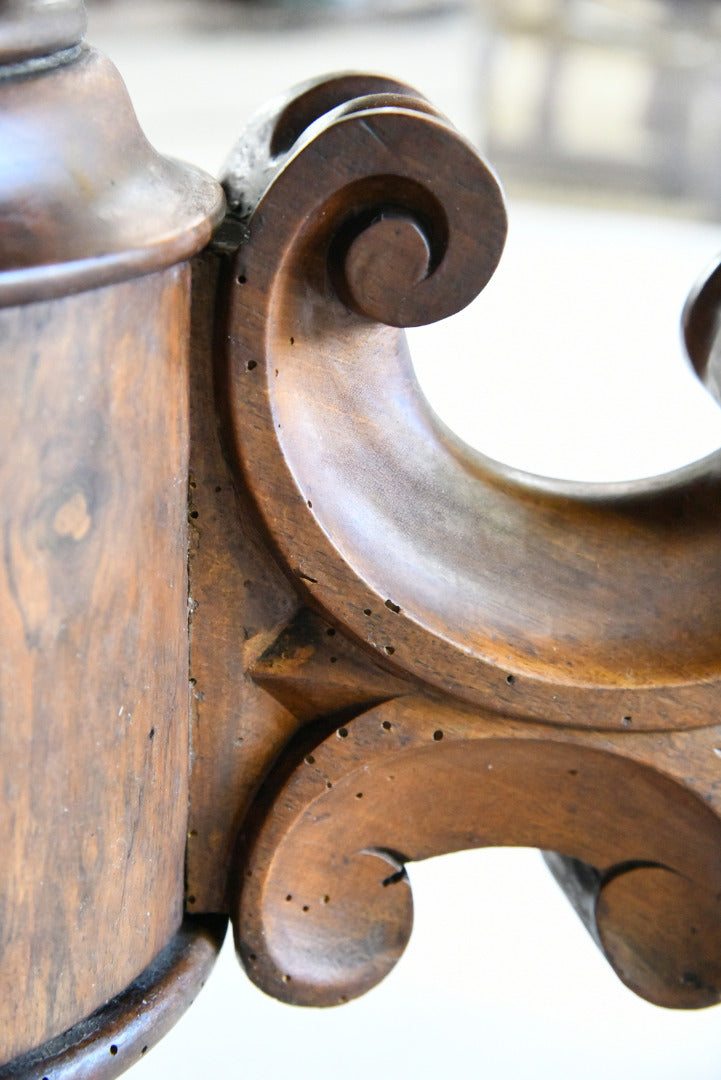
[395,647]
[469,655]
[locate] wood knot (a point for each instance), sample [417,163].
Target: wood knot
[72,520]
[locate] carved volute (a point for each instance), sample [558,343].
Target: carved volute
[271,631]
[451,640]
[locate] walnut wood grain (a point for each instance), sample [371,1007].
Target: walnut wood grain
[489,573]
[94,740]
[239,601]
[261,664]
[93,647]
[482,656]
[86,200]
[395,646]
[324,903]
[121,1032]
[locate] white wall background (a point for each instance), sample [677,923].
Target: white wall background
[569,364]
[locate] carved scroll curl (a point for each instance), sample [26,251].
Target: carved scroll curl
[409,219]
[486,583]
[324,907]
[517,661]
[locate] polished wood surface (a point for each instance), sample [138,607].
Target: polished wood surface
[271,630]
[239,600]
[325,908]
[121,1032]
[95,325]
[86,200]
[482,656]
[94,658]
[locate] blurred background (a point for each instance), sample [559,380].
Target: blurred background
[602,118]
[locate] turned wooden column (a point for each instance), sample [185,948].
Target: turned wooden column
[94,322]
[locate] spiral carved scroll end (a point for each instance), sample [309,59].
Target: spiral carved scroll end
[311,936]
[412,221]
[658,928]
[323,906]
[359,204]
